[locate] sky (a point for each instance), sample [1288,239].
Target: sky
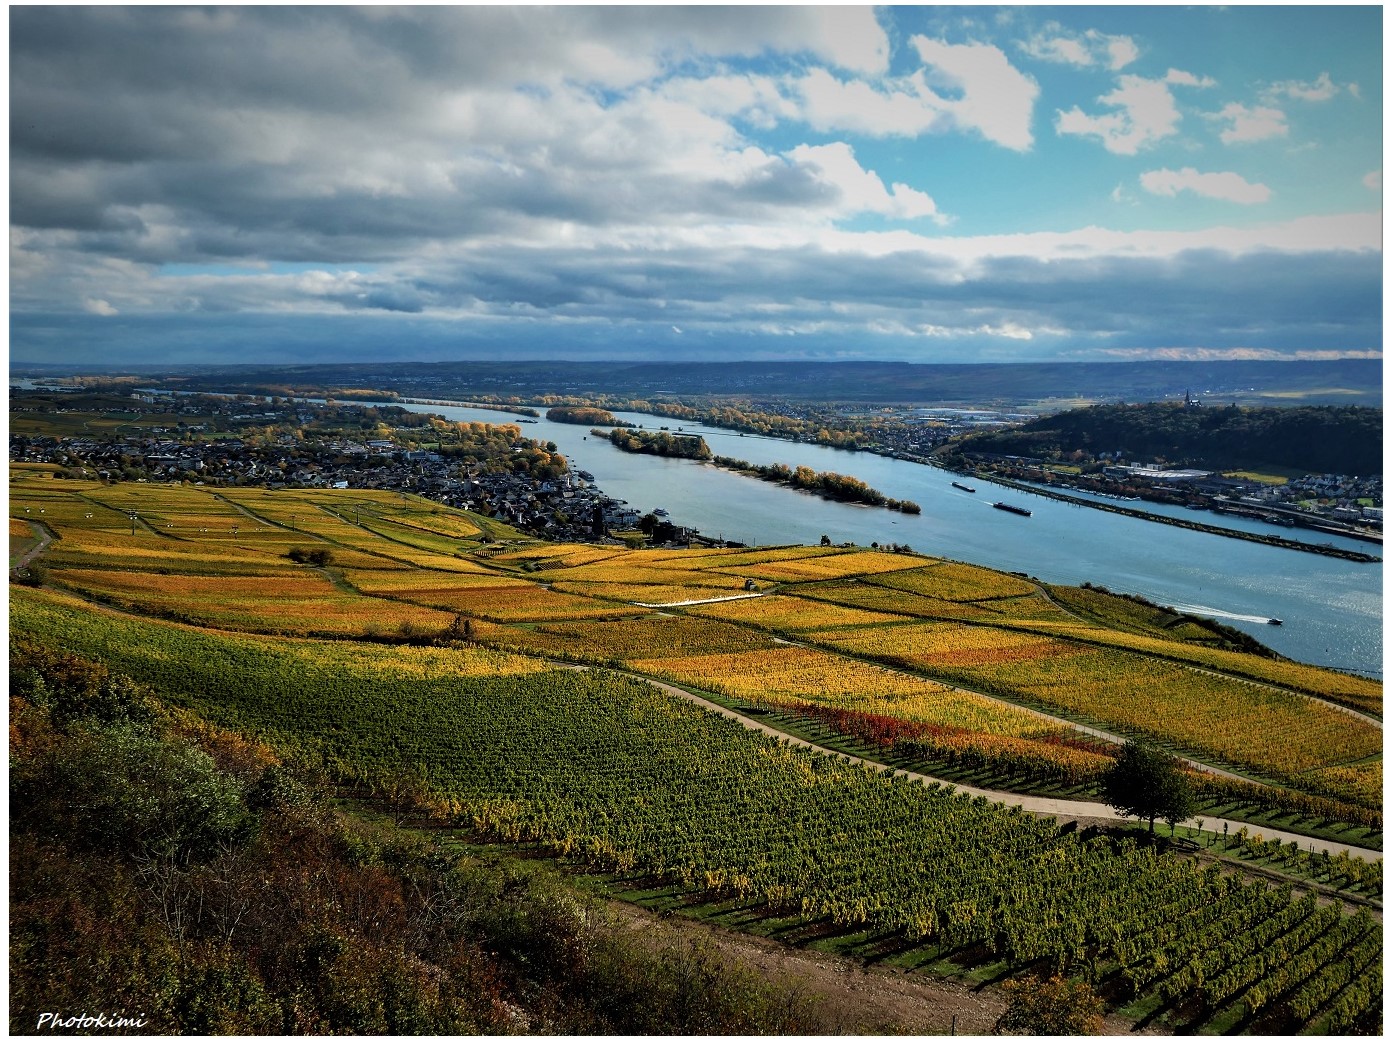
[933,184]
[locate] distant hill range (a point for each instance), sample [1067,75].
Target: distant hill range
[1293,382]
[1314,439]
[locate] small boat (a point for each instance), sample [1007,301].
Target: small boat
[661,512]
[1011,508]
[963,487]
[1275,621]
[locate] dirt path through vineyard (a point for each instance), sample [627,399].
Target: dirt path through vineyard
[1063,810]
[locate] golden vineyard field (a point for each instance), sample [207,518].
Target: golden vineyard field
[921,640]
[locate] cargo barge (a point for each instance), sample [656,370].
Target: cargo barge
[1011,508]
[963,487]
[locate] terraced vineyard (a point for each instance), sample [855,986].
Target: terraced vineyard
[475,705]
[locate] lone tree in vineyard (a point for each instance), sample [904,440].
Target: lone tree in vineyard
[1148,784]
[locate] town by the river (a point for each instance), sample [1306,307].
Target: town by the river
[1330,608]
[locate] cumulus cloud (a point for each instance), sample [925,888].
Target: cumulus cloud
[967,86]
[1250,124]
[1227,187]
[830,104]
[1088,49]
[1321,89]
[1146,112]
[991,95]
[99,307]
[1187,79]
[860,190]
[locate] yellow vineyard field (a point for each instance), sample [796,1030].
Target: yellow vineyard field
[302,604]
[567,555]
[1349,689]
[634,573]
[1227,718]
[411,581]
[739,557]
[634,638]
[790,613]
[901,603]
[957,582]
[344,661]
[948,645]
[149,552]
[792,676]
[827,568]
[653,594]
[520,605]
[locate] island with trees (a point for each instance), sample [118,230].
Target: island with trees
[829,485]
[662,444]
[585,416]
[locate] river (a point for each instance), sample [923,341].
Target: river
[1331,608]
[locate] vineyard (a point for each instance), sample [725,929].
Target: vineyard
[380,635]
[602,769]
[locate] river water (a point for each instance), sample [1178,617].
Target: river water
[1331,608]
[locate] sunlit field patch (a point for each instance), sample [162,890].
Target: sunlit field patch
[527,604]
[65,511]
[957,582]
[791,676]
[652,594]
[1360,783]
[303,603]
[948,645]
[650,636]
[722,558]
[144,551]
[414,581]
[827,568]
[1334,685]
[23,470]
[893,600]
[564,555]
[621,571]
[790,613]
[332,664]
[1210,714]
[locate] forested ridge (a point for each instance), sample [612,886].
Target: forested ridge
[1313,439]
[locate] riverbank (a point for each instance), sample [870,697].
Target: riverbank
[1174,521]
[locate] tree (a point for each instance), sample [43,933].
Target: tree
[1054,1007]
[1148,784]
